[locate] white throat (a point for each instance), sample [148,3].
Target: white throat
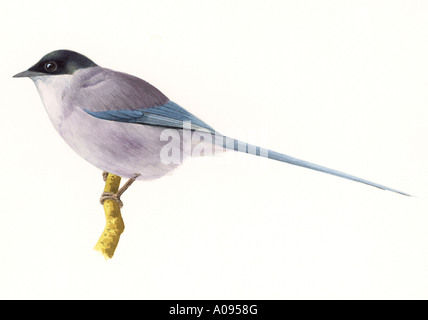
[51,90]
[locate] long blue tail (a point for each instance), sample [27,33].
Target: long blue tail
[240,146]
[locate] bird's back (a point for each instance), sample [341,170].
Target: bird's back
[100,89]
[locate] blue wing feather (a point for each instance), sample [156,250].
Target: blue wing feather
[169,114]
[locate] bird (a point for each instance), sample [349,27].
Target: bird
[125,126]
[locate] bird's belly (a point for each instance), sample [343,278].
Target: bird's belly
[124,149]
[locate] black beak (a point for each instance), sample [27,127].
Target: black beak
[28,74]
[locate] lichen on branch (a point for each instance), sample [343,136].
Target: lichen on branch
[114,223]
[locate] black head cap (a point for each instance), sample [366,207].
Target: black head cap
[58,62]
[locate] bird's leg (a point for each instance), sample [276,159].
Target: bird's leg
[116,196]
[105,175]
[127,185]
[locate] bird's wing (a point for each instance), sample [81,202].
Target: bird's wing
[168,115]
[116,96]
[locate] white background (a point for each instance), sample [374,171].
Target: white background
[339,83]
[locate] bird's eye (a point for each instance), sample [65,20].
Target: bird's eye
[51,66]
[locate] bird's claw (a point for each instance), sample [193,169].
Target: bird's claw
[111,196]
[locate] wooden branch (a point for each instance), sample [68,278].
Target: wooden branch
[114,223]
